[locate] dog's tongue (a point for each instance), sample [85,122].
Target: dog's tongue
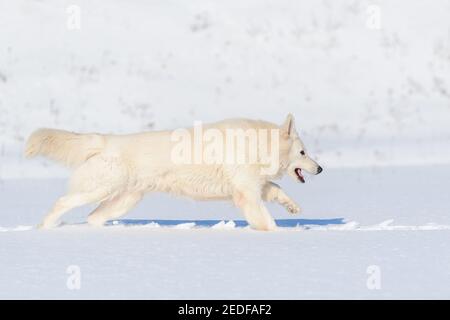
[302,179]
[298,172]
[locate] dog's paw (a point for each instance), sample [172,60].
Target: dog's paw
[292,208]
[96,221]
[46,225]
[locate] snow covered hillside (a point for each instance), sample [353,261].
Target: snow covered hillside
[367,87]
[368,83]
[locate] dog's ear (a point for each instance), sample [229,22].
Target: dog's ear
[288,127]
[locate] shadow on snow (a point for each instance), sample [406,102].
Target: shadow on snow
[239,223]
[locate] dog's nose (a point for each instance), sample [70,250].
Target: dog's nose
[319,170]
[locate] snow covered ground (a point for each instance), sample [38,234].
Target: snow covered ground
[394,218]
[371,98]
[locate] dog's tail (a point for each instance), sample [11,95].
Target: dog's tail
[68,148]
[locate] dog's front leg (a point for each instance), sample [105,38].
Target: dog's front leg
[273,192]
[256,214]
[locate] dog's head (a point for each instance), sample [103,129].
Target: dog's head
[297,158]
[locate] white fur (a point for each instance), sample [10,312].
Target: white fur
[116,171]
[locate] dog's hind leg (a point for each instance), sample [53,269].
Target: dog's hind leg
[69,202]
[114,208]
[272,192]
[98,179]
[254,210]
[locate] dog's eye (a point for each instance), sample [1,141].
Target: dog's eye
[302,153]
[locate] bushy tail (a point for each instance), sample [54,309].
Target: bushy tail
[68,148]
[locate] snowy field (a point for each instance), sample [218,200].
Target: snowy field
[396,219]
[371,98]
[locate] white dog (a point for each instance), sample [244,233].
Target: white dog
[117,170]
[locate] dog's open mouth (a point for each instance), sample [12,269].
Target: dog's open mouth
[299,174]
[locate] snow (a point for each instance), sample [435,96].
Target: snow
[395,218]
[372,104]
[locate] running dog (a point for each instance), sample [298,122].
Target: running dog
[117,170]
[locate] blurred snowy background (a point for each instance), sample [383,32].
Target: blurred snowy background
[368,81]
